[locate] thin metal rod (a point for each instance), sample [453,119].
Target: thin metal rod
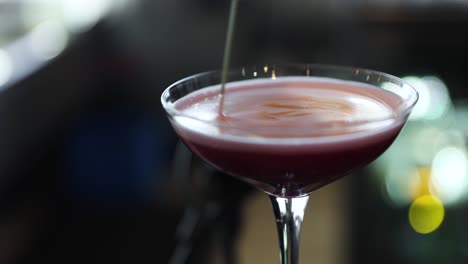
[227,51]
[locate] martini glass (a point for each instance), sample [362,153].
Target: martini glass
[289,129]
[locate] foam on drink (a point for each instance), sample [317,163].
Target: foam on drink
[289,107]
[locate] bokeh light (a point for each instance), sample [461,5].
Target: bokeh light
[434,99]
[461,116]
[424,103]
[76,16]
[420,182]
[449,176]
[439,97]
[428,140]
[424,145]
[429,157]
[400,184]
[426,214]
[6,67]
[81,15]
[34,12]
[48,39]
[427,166]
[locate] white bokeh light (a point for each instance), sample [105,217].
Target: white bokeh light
[424,103]
[398,183]
[449,174]
[6,67]
[48,39]
[80,15]
[434,100]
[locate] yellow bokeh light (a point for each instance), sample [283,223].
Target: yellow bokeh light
[426,214]
[420,183]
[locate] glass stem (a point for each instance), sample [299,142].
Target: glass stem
[289,213]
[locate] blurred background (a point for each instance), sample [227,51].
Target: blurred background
[91,172]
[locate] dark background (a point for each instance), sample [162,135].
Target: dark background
[91,172]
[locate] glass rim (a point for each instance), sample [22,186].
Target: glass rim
[401,114]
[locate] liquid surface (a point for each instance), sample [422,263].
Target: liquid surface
[290,108]
[291,135]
